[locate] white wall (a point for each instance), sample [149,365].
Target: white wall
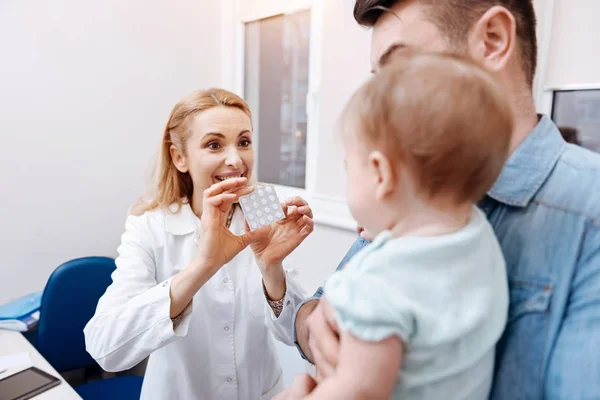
[345,65]
[543,13]
[85,91]
[574,56]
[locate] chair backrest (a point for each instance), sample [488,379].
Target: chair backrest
[68,303]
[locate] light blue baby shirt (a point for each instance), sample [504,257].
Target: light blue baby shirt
[445,297]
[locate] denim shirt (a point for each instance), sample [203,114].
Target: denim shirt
[545,211]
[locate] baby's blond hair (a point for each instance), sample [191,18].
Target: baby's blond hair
[442,117]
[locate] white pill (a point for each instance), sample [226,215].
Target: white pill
[275,206]
[262,222]
[278,214]
[267,210]
[250,217]
[261,193]
[264,201]
[269,189]
[272,198]
[259,213]
[270,218]
[243,200]
[252,225]
[256,205]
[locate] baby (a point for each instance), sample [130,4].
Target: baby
[422,307]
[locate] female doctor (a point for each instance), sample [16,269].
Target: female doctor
[193,289]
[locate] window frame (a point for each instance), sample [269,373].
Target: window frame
[550,91]
[328,210]
[237,84]
[544,93]
[550,94]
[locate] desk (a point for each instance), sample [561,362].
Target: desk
[14,342]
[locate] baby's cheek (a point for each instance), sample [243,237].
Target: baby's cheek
[357,205]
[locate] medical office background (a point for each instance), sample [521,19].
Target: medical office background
[86,88]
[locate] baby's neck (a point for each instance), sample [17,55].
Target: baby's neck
[428,220]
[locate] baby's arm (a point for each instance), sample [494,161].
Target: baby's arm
[366,370]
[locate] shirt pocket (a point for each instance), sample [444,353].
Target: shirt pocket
[528,296]
[275,389]
[520,351]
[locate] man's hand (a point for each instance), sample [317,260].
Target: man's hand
[302,386]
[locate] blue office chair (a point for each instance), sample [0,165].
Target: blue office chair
[69,301]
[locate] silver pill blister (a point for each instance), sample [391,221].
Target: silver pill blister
[261,207]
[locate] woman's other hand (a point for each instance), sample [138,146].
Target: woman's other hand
[274,243]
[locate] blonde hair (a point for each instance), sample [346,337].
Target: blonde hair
[170,186]
[442,117]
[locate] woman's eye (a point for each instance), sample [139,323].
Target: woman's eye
[245,142]
[214,146]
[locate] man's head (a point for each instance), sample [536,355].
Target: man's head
[498,34]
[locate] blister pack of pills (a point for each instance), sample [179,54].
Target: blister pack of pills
[261,207]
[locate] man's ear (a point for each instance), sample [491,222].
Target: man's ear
[492,39]
[179,160]
[382,173]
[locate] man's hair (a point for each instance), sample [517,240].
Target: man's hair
[440,117]
[454,18]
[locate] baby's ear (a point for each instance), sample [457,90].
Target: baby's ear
[382,172]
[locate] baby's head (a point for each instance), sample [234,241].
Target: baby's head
[426,132]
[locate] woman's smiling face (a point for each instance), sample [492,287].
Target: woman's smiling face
[219,146]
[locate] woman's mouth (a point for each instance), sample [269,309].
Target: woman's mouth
[224,177]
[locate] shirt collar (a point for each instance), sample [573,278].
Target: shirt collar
[529,165]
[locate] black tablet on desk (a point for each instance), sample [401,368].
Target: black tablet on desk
[26,384]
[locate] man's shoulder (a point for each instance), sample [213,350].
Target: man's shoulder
[574,184]
[356,247]
[580,158]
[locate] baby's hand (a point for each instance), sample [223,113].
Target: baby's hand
[365,234]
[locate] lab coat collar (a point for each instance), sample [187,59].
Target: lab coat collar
[181,222]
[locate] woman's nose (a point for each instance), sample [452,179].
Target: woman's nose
[233,159]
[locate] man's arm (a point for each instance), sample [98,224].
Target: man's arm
[574,365]
[300,326]
[279,313]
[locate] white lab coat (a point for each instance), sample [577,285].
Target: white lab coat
[220,348]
